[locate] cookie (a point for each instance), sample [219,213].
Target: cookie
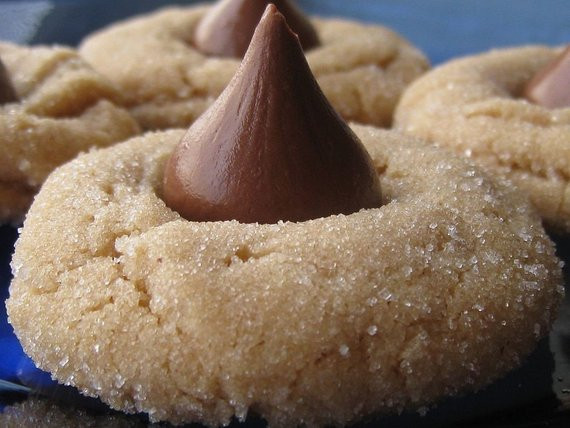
[64,107]
[362,69]
[443,289]
[40,412]
[474,106]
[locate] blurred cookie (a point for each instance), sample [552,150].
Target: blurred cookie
[60,107]
[476,106]
[40,412]
[168,82]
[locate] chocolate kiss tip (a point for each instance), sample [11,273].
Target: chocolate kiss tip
[550,87]
[7,91]
[271,147]
[226,30]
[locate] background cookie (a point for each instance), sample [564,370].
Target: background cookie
[362,69]
[474,106]
[441,290]
[64,108]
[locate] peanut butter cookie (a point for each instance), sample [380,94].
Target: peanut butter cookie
[445,287]
[59,107]
[168,82]
[475,106]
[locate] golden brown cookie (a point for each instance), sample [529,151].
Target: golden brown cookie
[474,105]
[443,289]
[362,69]
[64,107]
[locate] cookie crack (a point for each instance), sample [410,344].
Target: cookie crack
[34,102]
[58,274]
[141,286]
[244,254]
[54,65]
[99,306]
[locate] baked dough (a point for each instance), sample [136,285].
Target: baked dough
[64,108]
[443,289]
[362,69]
[473,106]
[40,412]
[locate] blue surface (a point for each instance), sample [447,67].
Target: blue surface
[448,28]
[441,28]
[11,352]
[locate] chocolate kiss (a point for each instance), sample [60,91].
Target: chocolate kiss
[7,92]
[271,147]
[227,29]
[550,87]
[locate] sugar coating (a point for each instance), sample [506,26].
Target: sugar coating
[65,107]
[362,69]
[474,106]
[38,412]
[326,321]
